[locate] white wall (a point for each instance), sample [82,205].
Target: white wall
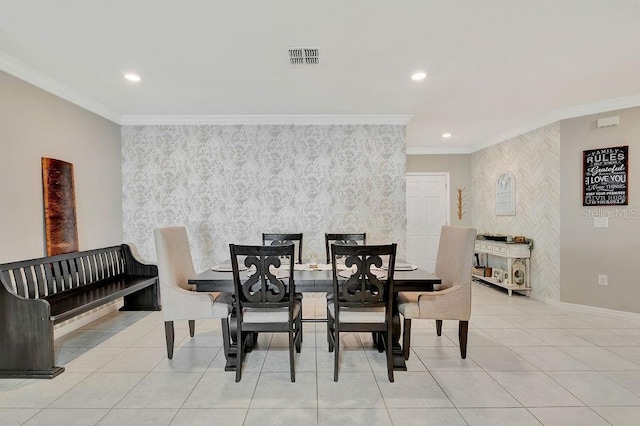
[35,124]
[534,161]
[228,184]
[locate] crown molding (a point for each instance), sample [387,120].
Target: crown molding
[24,72]
[139,120]
[433,150]
[564,114]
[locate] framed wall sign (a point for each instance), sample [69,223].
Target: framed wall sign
[605,173]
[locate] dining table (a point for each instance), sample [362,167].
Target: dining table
[312,279]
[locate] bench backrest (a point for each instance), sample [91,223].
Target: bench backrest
[38,278]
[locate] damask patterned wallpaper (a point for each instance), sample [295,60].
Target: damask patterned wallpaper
[534,160]
[229,183]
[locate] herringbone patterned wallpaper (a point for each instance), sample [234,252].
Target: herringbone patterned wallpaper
[534,160]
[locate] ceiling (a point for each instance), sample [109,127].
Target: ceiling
[495,67]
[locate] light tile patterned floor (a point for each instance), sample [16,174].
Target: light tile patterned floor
[528,363]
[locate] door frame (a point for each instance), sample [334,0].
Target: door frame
[447,180]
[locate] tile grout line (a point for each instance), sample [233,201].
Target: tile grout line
[195,386]
[97,371]
[255,389]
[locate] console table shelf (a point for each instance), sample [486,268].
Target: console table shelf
[517,258]
[510,288]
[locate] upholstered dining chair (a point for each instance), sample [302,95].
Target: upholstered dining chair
[452,299]
[271,239]
[180,301]
[363,296]
[264,296]
[346,239]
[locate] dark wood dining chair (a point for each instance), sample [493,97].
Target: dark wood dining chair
[345,239]
[363,297]
[264,296]
[276,239]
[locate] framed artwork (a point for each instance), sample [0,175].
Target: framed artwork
[506,195]
[60,222]
[605,176]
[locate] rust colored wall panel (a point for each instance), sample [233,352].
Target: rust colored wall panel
[61,225]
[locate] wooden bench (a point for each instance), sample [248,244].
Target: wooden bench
[36,294]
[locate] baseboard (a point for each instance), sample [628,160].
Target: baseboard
[78,322]
[32,374]
[587,309]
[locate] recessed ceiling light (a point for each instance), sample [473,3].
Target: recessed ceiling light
[418,76]
[132,77]
[446,135]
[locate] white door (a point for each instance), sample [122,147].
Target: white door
[427,211]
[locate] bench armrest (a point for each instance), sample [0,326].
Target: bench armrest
[136,265]
[26,336]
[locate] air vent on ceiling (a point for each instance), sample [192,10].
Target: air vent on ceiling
[304,55]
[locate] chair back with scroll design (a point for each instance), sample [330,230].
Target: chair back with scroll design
[271,239]
[343,239]
[264,296]
[363,296]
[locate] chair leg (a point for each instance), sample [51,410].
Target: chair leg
[330,332]
[300,332]
[192,327]
[378,339]
[297,337]
[406,338]
[463,331]
[336,355]
[291,356]
[300,322]
[251,340]
[439,327]
[328,328]
[170,337]
[239,352]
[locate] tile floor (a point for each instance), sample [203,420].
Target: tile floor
[528,364]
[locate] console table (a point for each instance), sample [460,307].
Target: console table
[517,257]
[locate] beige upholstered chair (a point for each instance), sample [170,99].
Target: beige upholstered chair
[179,299]
[452,299]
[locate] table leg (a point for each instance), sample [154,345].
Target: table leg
[230,337]
[231,344]
[398,353]
[230,341]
